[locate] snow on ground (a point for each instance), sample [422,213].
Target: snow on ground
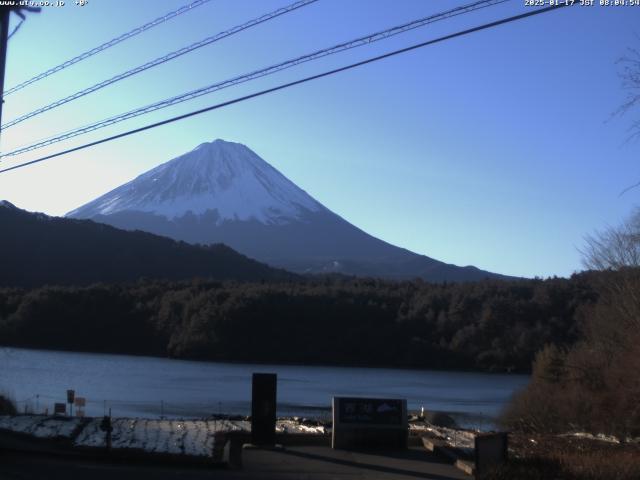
[198,439]
[40,426]
[462,439]
[52,427]
[180,437]
[600,436]
[91,435]
[22,424]
[292,426]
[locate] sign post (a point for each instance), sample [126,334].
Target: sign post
[71,394]
[369,423]
[263,409]
[80,402]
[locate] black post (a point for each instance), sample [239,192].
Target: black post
[491,450]
[107,427]
[263,409]
[4,39]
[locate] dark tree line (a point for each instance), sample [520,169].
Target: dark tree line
[41,250]
[489,325]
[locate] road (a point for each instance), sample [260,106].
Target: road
[292,463]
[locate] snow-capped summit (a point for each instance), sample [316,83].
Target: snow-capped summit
[222,192]
[223,177]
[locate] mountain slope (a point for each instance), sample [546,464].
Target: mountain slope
[38,249]
[223,192]
[239,184]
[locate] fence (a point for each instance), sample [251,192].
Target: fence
[43,404]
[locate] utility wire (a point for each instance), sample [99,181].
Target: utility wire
[163,59]
[291,84]
[110,43]
[366,40]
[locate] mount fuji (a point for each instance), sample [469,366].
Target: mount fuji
[222,192]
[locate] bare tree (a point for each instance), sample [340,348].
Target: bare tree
[615,247]
[630,77]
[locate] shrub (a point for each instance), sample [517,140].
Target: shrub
[593,386]
[7,406]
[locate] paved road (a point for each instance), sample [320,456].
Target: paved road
[323,463]
[299,463]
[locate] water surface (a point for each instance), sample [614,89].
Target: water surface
[152,387]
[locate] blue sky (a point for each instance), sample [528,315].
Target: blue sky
[497,149]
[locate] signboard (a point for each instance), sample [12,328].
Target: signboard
[369,423]
[370,411]
[491,450]
[80,402]
[70,396]
[60,409]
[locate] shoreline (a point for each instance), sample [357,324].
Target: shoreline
[273,363]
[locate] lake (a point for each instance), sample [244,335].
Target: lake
[152,387]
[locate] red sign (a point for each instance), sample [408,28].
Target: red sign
[60,408]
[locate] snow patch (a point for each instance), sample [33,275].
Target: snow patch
[178,437]
[40,426]
[600,436]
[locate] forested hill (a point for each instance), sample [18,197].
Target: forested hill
[36,249]
[489,325]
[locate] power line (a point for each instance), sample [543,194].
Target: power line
[5,14]
[110,43]
[296,82]
[256,74]
[163,59]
